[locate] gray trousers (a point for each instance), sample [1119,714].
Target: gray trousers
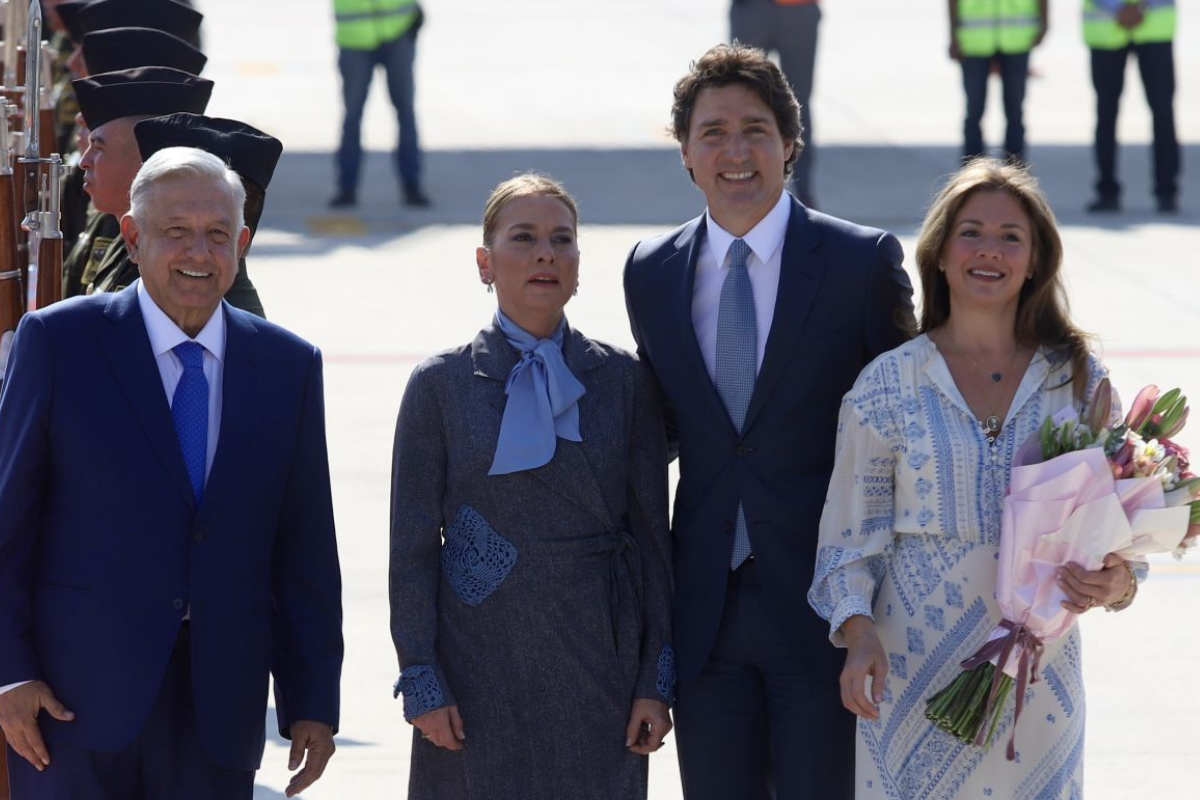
[791,31]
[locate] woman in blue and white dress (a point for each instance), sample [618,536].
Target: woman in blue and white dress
[906,568]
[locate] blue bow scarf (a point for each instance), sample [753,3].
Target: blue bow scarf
[543,401]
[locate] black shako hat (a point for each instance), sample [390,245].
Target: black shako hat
[164,15]
[116,49]
[68,12]
[145,91]
[248,151]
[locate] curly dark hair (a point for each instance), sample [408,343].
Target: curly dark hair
[727,64]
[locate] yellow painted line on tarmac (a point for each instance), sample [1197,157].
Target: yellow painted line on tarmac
[336,226]
[257,68]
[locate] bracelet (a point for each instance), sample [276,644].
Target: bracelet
[1130,593]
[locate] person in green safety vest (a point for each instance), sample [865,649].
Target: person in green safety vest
[370,34]
[984,33]
[1111,30]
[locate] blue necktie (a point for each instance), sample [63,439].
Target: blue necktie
[737,362]
[189,409]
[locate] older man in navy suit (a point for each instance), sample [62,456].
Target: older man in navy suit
[756,317]
[166,527]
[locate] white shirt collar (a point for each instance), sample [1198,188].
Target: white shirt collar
[165,334]
[764,238]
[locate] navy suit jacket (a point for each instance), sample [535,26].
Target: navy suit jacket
[103,549]
[843,299]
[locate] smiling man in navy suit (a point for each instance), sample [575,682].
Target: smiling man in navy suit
[157,567]
[756,318]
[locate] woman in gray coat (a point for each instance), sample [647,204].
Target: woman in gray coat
[530,553]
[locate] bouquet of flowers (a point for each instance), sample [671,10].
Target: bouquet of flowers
[1080,489]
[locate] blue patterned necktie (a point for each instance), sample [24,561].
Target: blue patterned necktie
[737,362]
[189,409]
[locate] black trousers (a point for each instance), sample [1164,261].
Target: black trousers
[1156,63]
[165,762]
[764,719]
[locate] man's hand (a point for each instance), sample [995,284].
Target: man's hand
[864,656]
[1130,16]
[317,739]
[442,727]
[649,724]
[19,709]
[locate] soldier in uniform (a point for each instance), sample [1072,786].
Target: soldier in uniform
[112,103]
[122,99]
[251,153]
[113,50]
[170,17]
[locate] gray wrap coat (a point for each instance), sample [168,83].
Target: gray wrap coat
[537,602]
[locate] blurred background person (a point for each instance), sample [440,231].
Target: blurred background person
[530,555]
[788,28]
[1112,29]
[995,33]
[370,34]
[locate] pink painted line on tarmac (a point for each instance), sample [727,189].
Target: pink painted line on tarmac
[412,358]
[1149,353]
[374,358]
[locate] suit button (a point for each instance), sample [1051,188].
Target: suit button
[177,604]
[743,450]
[728,526]
[197,535]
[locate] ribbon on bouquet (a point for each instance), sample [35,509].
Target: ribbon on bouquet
[1000,649]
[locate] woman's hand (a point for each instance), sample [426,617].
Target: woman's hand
[649,724]
[864,656]
[1087,590]
[442,726]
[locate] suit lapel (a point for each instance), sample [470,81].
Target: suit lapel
[127,347]
[237,407]
[800,275]
[569,474]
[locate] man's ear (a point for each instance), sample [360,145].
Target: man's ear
[243,241]
[129,232]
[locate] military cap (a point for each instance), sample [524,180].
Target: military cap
[145,91]
[116,49]
[164,15]
[68,12]
[248,151]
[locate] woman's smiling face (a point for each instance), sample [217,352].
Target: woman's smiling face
[988,254]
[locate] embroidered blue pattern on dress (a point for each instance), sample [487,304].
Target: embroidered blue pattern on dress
[666,673]
[422,692]
[475,559]
[934,601]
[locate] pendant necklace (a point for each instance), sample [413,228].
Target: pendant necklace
[991,424]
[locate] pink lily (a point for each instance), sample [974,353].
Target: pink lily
[1139,412]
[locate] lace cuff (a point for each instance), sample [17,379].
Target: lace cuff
[421,689]
[847,608]
[666,674]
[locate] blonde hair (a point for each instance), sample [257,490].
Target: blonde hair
[528,184]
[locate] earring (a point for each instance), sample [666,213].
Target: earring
[487,281]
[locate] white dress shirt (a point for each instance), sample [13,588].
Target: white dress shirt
[164,335]
[763,264]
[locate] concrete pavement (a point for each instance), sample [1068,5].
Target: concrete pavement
[582,91]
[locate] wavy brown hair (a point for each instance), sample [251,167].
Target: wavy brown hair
[1043,315]
[727,64]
